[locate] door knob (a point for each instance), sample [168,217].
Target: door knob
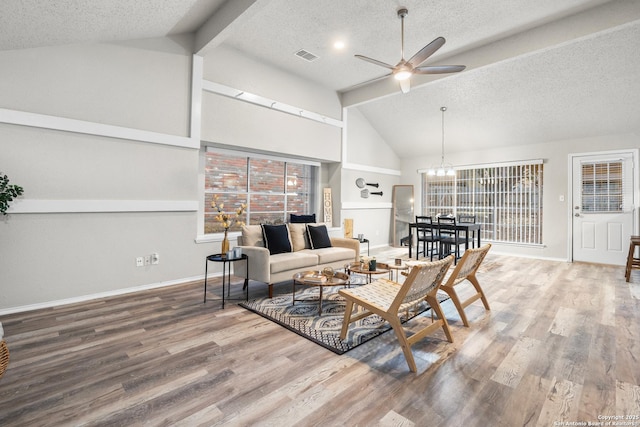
[577,207]
[577,214]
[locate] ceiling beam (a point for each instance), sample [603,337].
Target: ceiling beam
[547,36]
[226,20]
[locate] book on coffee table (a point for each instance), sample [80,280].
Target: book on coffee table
[315,278]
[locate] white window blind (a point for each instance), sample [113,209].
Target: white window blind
[506,200]
[604,187]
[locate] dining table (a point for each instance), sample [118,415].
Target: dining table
[466,227]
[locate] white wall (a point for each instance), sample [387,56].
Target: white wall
[556,180]
[65,254]
[365,146]
[137,87]
[368,156]
[94,202]
[225,120]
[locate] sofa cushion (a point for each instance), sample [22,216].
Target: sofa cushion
[276,238]
[293,261]
[252,236]
[318,236]
[302,219]
[299,237]
[329,255]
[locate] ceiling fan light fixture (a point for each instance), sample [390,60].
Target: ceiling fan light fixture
[402,75]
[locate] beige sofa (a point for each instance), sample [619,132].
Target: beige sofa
[270,269]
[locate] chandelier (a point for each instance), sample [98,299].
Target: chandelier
[444,168]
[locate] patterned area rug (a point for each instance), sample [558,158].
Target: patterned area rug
[302,318]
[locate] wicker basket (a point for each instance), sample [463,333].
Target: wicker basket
[4,356]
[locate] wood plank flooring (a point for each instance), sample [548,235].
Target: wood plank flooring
[560,345]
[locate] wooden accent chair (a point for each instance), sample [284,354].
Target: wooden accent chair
[387,298]
[4,352]
[632,261]
[466,270]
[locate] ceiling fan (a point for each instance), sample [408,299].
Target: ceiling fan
[404,69]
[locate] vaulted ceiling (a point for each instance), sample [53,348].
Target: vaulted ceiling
[537,71]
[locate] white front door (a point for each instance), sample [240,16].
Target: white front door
[602,205]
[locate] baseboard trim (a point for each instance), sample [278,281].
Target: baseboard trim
[84,298]
[544,258]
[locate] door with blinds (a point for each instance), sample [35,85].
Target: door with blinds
[602,207]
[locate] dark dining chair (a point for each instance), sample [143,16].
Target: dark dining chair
[468,219]
[449,236]
[426,233]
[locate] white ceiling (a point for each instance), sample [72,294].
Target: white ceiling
[537,71]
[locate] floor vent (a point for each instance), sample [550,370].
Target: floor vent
[306,55]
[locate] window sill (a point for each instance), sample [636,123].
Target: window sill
[216,237]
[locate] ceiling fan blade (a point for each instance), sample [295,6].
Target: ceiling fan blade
[426,52]
[374,61]
[405,85]
[439,69]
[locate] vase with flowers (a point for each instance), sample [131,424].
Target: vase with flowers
[227,220]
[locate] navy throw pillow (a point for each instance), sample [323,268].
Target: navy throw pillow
[276,238]
[300,219]
[318,236]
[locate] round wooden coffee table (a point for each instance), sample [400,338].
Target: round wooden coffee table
[307,278]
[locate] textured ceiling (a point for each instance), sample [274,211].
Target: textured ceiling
[537,71]
[33,23]
[372,28]
[585,88]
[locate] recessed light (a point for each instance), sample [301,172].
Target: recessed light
[339,44]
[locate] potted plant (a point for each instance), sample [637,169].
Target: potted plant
[7,193]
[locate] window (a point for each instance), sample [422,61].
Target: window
[272,188]
[602,187]
[506,200]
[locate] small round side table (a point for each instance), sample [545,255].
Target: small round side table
[396,269]
[226,273]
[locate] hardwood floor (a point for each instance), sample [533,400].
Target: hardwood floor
[560,344]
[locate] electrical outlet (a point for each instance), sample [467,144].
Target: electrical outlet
[155,258]
[147,260]
[139,262]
